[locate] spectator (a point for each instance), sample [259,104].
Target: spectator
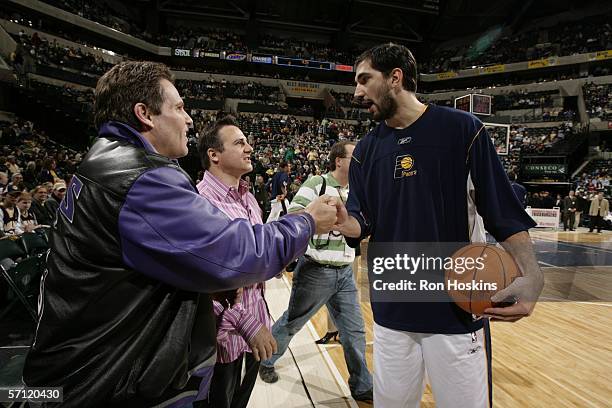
[10,214]
[3,182]
[26,221]
[17,181]
[600,207]
[570,205]
[30,175]
[39,196]
[53,202]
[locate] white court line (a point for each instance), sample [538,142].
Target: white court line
[575,267]
[575,245]
[330,364]
[368,343]
[549,378]
[14,347]
[595,303]
[576,301]
[571,301]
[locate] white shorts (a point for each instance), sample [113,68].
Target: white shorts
[456,366]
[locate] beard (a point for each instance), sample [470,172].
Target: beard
[387,106]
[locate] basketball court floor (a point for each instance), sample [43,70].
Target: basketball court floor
[560,356]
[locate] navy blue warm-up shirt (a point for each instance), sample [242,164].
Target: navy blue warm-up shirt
[409,185]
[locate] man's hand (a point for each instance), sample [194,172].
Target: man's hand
[525,290]
[324,211]
[263,344]
[345,224]
[341,213]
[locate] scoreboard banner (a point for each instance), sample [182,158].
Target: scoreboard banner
[493,69]
[545,217]
[262,59]
[541,63]
[300,89]
[303,63]
[201,53]
[233,56]
[545,170]
[346,68]
[181,52]
[481,104]
[447,75]
[478,104]
[464,103]
[600,55]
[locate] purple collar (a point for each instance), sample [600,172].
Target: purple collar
[125,132]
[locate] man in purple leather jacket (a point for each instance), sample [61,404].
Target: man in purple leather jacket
[125,316]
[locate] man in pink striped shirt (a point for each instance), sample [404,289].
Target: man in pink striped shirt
[243,322]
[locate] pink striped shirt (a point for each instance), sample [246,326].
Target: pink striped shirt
[240,323]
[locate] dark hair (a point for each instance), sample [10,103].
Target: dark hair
[386,57]
[24,196]
[283,164]
[127,84]
[210,139]
[338,150]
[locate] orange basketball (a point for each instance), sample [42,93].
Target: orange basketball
[477,272]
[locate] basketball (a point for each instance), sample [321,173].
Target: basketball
[477,272]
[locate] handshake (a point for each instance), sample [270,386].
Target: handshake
[327,211]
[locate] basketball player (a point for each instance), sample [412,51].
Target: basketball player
[125,318]
[425,200]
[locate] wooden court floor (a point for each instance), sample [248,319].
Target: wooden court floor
[562,354]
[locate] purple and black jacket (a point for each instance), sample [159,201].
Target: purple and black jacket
[125,318]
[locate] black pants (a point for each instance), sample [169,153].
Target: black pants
[570,218]
[227,390]
[596,222]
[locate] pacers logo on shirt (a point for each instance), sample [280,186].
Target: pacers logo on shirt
[404,166]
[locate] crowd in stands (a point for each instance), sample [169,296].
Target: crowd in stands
[210,39]
[34,172]
[588,35]
[524,100]
[217,40]
[29,160]
[536,140]
[101,12]
[541,101]
[212,89]
[275,138]
[530,140]
[82,100]
[344,106]
[36,50]
[344,99]
[598,100]
[292,47]
[595,177]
